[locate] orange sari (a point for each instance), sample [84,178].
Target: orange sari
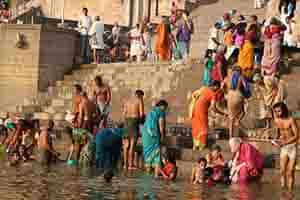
[200,117]
[162,47]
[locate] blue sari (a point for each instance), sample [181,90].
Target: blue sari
[151,138]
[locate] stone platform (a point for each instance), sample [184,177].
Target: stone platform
[32,58]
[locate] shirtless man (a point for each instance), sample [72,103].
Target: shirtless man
[87,110]
[288,137]
[77,98]
[76,101]
[133,114]
[45,146]
[17,135]
[102,96]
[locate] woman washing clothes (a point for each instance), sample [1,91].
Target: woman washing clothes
[247,163]
[201,101]
[153,133]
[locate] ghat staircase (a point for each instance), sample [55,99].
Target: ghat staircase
[171,81]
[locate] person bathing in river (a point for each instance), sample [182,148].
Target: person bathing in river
[153,134]
[134,115]
[108,147]
[18,156]
[198,171]
[219,172]
[214,157]
[169,170]
[247,163]
[80,140]
[288,136]
[46,150]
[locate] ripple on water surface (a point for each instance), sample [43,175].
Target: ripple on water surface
[60,182]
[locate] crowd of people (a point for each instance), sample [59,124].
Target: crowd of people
[243,61]
[240,54]
[166,41]
[4,11]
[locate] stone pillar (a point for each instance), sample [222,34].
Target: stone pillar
[127,15]
[146,8]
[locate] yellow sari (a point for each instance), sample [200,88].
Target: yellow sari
[246,59]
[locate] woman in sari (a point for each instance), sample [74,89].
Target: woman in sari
[219,70]
[246,57]
[272,90]
[201,101]
[247,163]
[153,133]
[162,47]
[108,147]
[272,47]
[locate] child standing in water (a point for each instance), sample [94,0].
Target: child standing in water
[208,65]
[198,172]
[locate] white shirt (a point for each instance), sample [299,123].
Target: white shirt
[116,34]
[84,24]
[213,33]
[98,29]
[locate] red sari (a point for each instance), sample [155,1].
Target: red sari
[217,73]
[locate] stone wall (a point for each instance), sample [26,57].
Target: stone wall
[46,56]
[19,72]
[57,55]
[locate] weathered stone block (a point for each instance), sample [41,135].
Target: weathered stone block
[42,116]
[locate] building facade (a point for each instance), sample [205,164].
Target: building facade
[126,12]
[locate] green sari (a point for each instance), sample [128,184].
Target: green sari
[151,138]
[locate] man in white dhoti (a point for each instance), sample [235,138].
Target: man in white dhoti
[96,39]
[136,43]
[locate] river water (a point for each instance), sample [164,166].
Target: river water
[30,182]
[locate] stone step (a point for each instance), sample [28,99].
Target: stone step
[57,109]
[59,102]
[42,115]
[30,109]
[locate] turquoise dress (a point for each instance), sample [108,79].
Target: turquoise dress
[151,138]
[207,70]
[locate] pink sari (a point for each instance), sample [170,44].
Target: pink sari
[254,161]
[272,54]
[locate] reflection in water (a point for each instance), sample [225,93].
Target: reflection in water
[61,182]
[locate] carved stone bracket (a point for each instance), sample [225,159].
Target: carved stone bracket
[21,42]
